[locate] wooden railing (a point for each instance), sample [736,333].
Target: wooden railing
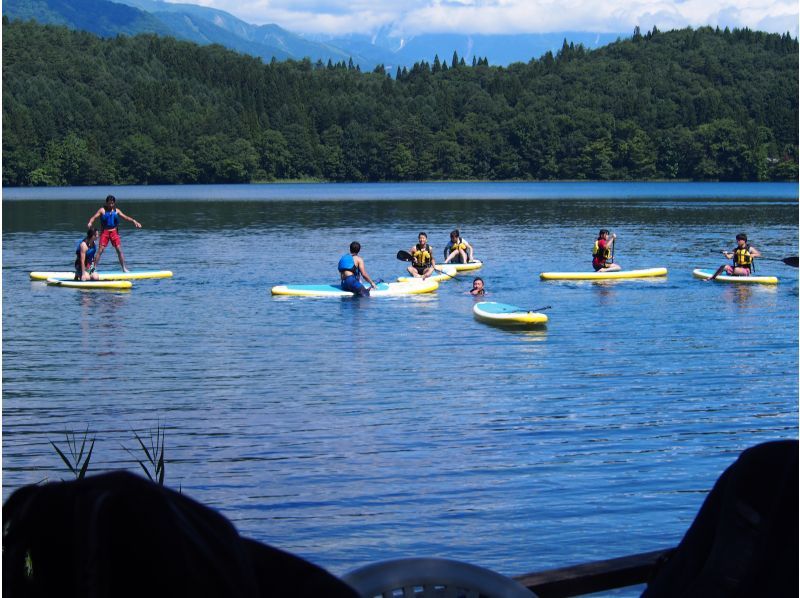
[596,576]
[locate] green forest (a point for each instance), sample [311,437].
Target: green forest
[692,104]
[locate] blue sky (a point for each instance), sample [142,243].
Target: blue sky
[413,17]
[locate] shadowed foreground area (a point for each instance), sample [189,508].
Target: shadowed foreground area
[117,534]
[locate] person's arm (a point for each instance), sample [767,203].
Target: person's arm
[469,250]
[360,263]
[97,215]
[84,249]
[128,218]
[433,258]
[754,252]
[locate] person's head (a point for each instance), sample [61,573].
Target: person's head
[603,233]
[454,235]
[91,235]
[355,247]
[423,238]
[477,284]
[741,239]
[111,201]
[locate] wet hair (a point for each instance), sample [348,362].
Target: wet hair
[91,232]
[741,237]
[603,231]
[455,233]
[111,198]
[482,291]
[355,247]
[423,233]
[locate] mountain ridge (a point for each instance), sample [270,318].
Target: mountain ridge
[204,25]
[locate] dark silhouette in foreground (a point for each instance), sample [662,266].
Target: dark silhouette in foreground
[120,535]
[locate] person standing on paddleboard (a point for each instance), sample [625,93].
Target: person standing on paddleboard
[351,269]
[422,258]
[84,257]
[743,257]
[109,218]
[603,253]
[457,251]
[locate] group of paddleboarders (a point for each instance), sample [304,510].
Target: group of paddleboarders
[351,266]
[88,253]
[743,256]
[423,261]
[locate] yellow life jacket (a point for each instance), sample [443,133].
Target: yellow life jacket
[458,245]
[603,255]
[742,257]
[422,255]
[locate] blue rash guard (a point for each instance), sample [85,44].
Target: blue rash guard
[90,253]
[352,282]
[109,219]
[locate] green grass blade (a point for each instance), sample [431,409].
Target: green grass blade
[86,462]
[144,448]
[64,458]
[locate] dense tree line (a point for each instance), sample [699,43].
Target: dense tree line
[700,104]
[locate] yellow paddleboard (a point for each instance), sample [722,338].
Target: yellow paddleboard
[618,274]
[89,284]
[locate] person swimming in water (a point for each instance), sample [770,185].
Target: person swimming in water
[478,289]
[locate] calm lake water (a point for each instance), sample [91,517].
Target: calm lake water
[350,431]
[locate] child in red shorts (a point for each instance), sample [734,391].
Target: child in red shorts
[109,218]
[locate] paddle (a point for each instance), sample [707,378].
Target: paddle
[789,261]
[541,308]
[404,256]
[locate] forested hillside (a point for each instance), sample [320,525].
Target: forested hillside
[691,104]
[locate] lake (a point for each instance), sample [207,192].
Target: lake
[351,431]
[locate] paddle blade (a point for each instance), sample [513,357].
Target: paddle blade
[404,256]
[790,261]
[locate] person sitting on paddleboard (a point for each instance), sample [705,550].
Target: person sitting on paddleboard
[109,218]
[477,289]
[743,257]
[85,255]
[422,258]
[602,254]
[351,269]
[457,251]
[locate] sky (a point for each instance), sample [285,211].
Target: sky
[414,17]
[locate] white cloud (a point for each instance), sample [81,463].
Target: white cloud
[411,17]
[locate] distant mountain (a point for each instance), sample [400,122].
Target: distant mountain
[501,50]
[100,17]
[203,25]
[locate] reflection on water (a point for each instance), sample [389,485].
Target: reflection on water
[325,426]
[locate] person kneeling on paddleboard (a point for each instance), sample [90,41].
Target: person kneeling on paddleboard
[351,269]
[84,257]
[422,262]
[457,251]
[603,253]
[743,259]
